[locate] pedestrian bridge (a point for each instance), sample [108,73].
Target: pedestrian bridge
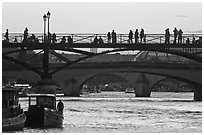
[88,38]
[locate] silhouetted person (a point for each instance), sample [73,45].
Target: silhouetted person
[167,36]
[49,37]
[63,39]
[60,106]
[33,37]
[175,34]
[7,35]
[15,40]
[141,35]
[100,40]
[144,38]
[199,41]
[130,36]
[188,41]
[54,38]
[113,37]
[136,35]
[193,41]
[96,39]
[70,40]
[180,32]
[109,37]
[25,35]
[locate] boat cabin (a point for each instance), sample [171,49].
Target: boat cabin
[10,102]
[42,100]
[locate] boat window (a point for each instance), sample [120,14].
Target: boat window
[32,101]
[41,101]
[46,101]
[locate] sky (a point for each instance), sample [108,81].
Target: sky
[101,17]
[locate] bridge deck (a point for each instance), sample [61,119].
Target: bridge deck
[93,45]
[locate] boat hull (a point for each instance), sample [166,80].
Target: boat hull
[14,123]
[42,117]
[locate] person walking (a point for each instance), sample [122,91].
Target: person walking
[167,36]
[175,34]
[180,32]
[136,35]
[130,36]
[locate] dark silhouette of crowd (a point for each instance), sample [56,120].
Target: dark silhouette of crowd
[140,37]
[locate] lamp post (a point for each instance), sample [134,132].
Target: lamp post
[48,26]
[44,19]
[46,52]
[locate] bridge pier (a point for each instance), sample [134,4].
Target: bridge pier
[142,86]
[197,93]
[47,86]
[70,88]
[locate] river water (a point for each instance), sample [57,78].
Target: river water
[119,112]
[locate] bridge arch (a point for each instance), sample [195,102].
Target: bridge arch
[113,74]
[89,55]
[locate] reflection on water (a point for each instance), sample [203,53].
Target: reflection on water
[121,112]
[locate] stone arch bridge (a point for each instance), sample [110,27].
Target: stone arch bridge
[141,76]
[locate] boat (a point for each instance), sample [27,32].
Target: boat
[13,117]
[129,90]
[42,112]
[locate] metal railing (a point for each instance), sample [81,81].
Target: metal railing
[89,38]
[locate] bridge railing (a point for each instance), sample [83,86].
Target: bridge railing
[89,38]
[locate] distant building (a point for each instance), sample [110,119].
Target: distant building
[94,50]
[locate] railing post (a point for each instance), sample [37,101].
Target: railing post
[160,39]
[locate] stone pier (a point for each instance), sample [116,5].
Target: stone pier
[142,86]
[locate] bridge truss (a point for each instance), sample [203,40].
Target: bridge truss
[15,49]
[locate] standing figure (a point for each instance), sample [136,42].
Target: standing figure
[141,35]
[7,35]
[188,41]
[167,36]
[193,41]
[109,37]
[180,32]
[175,34]
[100,40]
[15,40]
[54,38]
[60,106]
[130,37]
[49,37]
[95,40]
[70,40]
[136,35]
[25,35]
[63,39]
[113,37]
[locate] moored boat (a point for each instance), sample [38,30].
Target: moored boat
[13,117]
[42,112]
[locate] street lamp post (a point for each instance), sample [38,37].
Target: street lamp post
[44,19]
[48,28]
[46,74]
